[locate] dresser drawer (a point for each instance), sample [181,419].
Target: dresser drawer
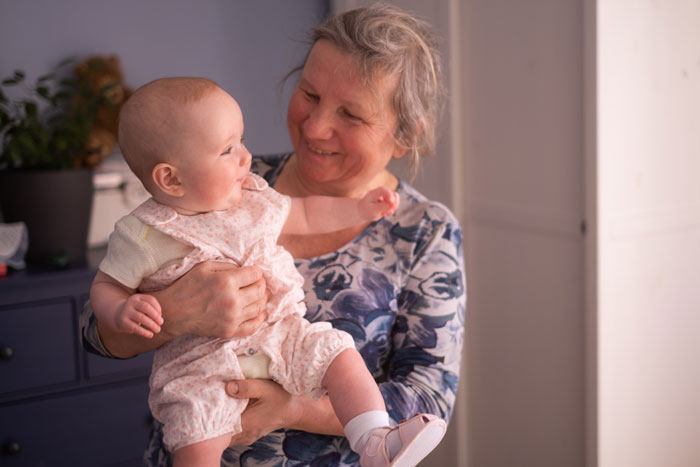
[98,428]
[38,344]
[98,366]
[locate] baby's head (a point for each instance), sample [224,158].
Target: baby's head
[183,138]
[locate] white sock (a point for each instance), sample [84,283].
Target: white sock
[358,429]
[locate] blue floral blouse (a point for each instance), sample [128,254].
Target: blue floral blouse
[399,290]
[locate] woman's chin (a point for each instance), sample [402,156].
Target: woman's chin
[317,169]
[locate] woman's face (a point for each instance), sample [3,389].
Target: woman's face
[341,130]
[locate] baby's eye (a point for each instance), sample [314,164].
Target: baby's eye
[243,138]
[227,151]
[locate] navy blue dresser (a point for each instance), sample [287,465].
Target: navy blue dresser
[59,405]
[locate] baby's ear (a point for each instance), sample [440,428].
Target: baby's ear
[166,179]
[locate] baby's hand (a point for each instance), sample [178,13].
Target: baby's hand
[379,202]
[140,314]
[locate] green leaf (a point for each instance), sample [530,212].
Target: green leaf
[14,153]
[43,91]
[27,144]
[10,81]
[65,61]
[17,78]
[68,82]
[31,109]
[47,77]
[61,96]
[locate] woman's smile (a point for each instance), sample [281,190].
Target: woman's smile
[320,151]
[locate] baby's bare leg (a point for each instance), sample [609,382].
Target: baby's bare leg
[203,454]
[351,388]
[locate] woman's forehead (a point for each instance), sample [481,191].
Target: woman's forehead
[328,68]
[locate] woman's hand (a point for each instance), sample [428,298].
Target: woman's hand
[270,408]
[214,299]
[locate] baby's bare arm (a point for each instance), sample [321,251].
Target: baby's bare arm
[122,309]
[323,214]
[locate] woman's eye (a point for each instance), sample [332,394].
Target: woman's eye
[352,116]
[310,96]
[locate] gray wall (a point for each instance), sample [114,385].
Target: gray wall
[247,47]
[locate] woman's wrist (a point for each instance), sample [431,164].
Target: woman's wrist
[123,345]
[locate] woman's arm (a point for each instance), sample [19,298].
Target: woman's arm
[213,299]
[427,336]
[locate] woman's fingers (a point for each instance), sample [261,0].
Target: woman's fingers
[252,300]
[214,299]
[265,410]
[249,327]
[245,388]
[247,275]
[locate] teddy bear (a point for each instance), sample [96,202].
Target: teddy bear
[99,79]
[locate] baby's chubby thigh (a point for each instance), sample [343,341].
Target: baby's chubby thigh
[188,392]
[300,352]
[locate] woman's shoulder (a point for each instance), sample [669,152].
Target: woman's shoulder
[420,221]
[416,209]
[269,166]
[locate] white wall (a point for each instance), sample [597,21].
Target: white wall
[648,164]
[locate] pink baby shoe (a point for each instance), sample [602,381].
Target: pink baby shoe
[419,435]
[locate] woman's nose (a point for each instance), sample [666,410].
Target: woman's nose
[319,124]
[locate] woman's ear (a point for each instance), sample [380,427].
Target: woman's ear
[399,150]
[166,179]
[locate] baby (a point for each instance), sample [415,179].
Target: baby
[183,138]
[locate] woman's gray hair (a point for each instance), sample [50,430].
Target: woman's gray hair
[389,41]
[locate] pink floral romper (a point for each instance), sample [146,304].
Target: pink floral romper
[189,373]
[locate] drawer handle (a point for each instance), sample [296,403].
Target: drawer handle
[12,448]
[6,353]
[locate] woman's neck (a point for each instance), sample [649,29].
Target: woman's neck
[291,182]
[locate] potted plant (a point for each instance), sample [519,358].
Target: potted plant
[45,171]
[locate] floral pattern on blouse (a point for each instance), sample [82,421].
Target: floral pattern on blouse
[399,290]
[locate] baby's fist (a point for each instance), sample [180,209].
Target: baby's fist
[380,202]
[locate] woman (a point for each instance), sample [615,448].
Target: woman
[368,92]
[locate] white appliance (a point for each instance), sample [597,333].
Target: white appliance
[117,193]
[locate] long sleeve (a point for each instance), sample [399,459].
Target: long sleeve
[427,335]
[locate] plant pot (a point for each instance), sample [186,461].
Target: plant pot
[55,205]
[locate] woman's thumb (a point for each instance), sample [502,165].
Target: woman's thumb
[233,389]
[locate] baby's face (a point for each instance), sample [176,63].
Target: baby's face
[216,161]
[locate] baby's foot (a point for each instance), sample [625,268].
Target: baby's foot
[405,444]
